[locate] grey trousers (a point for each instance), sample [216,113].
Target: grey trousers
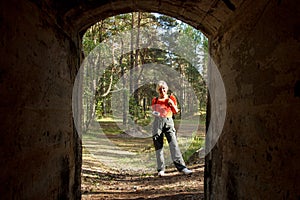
[161,127]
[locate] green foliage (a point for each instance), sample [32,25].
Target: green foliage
[140,100]
[196,143]
[166,22]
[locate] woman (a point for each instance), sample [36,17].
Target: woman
[163,108]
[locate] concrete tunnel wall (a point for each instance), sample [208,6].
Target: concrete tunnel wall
[38,145]
[256,47]
[258,55]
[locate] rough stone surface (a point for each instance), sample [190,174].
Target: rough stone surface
[257,156]
[37,145]
[255,43]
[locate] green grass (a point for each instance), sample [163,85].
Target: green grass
[196,143]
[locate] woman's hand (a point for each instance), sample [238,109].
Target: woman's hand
[172,104]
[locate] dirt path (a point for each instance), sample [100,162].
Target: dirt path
[107,185]
[101,182]
[116,178]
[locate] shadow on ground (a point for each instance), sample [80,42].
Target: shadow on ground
[107,184]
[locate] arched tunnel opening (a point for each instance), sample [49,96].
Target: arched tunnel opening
[118,85]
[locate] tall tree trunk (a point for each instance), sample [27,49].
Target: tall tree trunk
[90,100]
[136,79]
[125,98]
[131,81]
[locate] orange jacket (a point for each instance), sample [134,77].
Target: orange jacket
[163,107]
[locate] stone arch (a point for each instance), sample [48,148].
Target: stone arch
[206,16]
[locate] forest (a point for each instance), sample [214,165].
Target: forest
[124,57]
[123,86]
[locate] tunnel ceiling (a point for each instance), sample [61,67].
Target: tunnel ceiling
[205,15]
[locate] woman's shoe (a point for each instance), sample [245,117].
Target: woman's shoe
[186,171]
[161,173]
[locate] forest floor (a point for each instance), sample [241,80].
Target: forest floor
[126,174]
[107,184]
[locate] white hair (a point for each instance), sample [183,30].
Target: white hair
[161,83]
